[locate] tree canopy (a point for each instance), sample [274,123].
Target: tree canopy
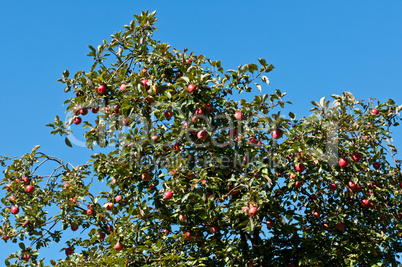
[194,177]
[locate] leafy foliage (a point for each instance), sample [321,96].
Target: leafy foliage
[195,178]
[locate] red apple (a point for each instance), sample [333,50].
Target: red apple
[95,109]
[313,196]
[356,157]
[357,189]
[14,210]
[74,227]
[276,134]
[109,228]
[144,71]
[199,111]
[202,135]
[90,212]
[210,107]
[26,257]
[238,116]
[83,111]
[77,120]
[165,232]
[118,246]
[69,251]
[123,87]
[109,206]
[298,184]
[332,187]
[5,237]
[233,133]
[191,88]
[252,211]
[177,146]
[300,167]
[376,165]
[118,198]
[316,214]
[102,235]
[188,61]
[351,184]
[155,138]
[340,226]
[187,236]
[11,198]
[145,177]
[168,114]
[29,189]
[168,195]
[145,83]
[292,175]
[25,180]
[365,203]
[213,229]
[270,224]
[343,162]
[102,90]
[182,218]
[374,111]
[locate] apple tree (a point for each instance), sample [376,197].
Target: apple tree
[193,175]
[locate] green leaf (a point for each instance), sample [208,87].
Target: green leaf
[68,142]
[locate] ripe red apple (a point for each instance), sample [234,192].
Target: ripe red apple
[14,210]
[292,175]
[213,229]
[144,71]
[376,165]
[165,231]
[340,226]
[118,246]
[30,189]
[374,111]
[209,107]
[332,187]
[356,157]
[116,109]
[182,218]
[252,211]
[233,190]
[90,212]
[168,114]
[270,224]
[168,195]
[26,257]
[238,116]
[188,61]
[69,251]
[316,214]
[326,225]
[77,120]
[145,177]
[199,111]
[83,111]
[123,87]
[177,146]
[74,227]
[298,184]
[313,196]
[118,198]
[109,228]
[5,237]
[187,236]
[365,203]
[191,88]
[109,206]
[300,167]
[233,133]
[102,90]
[276,134]
[343,162]
[202,135]
[95,109]
[145,83]
[25,180]
[352,184]
[11,198]
[357,189]
[102,235]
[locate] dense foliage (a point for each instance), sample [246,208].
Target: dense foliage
[192,177]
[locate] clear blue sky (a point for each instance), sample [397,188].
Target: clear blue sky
[319,48]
